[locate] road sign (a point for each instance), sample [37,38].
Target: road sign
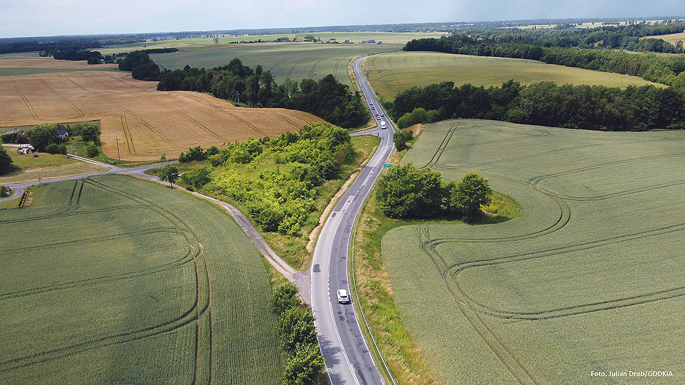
[387,165]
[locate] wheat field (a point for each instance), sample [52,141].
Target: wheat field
[145,122]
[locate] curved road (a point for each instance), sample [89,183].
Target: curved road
[348,359]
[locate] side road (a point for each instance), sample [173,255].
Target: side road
[297,277]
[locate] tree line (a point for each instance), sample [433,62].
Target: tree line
[326,98]
[546,103]
[628,37]
[297,335]
[662,69]
[49,47]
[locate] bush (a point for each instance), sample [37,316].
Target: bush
[407,192]
[54,148]
[284,298]
[195,178]
[92,151]
[400,138]
[5,161]
[468,195]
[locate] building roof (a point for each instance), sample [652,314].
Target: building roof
[61,131]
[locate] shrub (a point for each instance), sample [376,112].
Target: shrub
[5,161]
[52,148]
[92,151]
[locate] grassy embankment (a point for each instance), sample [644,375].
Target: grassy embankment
[390,73]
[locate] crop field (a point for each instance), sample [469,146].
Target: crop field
[138,122]
[672,38]
[588,279]
[115,280]
[31,63]
[294,61]
[391,73]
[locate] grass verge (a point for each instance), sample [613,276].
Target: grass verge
[373,286]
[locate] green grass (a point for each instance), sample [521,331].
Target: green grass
[10,204]
[390,73]
[588,276]
[296,61]
[102,288]
[29,167]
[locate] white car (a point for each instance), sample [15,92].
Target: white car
[343,297]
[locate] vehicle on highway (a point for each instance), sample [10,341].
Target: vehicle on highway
[343,297]
[378,117]
[383,125]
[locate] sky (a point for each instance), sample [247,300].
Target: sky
[29,18]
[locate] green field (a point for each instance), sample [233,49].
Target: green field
[208,41]
[115,280]
[588,278]
[391,73]
[294,61]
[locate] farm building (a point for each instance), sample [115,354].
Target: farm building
[62,132]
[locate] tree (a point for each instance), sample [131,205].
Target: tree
[469,194]
[90,133]
[41,136]
[169,174]
[407,192]
[92,151]
[5,161]
[284,298]
[304,368]
[401,137]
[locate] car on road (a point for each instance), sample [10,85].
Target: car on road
[378,117]
[343,297]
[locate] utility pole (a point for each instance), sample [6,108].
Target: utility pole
[117,139]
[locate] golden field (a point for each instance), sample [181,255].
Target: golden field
[147,122]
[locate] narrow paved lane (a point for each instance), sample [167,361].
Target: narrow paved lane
[348,359]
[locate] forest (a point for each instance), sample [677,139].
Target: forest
[546,104]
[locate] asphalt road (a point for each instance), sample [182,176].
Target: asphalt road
[348,359]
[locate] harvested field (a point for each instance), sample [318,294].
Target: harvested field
[147,123]
[31,63]
[587,279]
[118,280]
[673,38]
